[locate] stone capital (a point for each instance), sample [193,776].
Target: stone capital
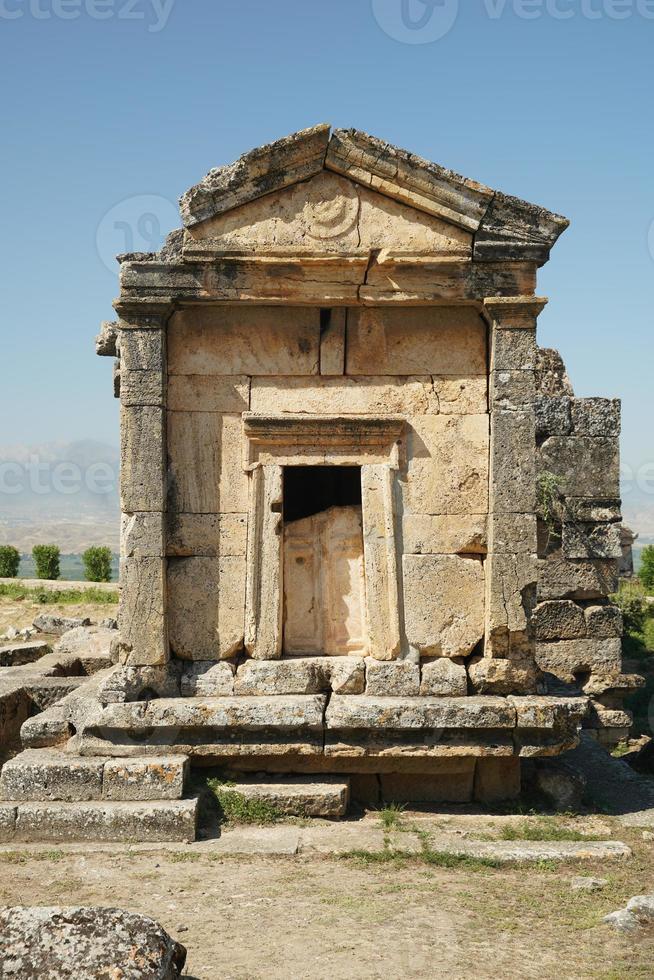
[514,312]
[143,314]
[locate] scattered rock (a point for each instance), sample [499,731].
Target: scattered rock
[58,625]
[109,623]
[87,641]
[11,633]
[86,942]
[647,835]
[588,884]
[639,912]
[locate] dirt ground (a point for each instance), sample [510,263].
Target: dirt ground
[22,612]
[329,917]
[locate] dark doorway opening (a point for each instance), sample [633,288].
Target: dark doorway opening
[309,490]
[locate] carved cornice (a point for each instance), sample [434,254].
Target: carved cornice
[518,312]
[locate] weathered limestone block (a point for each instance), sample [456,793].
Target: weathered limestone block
[496,780]
[444,604]
[512,534]
[245,340]
[511,390]
[448,465]
[553,416]
[105,820]
[206,603]
[453,786]
[436,534]
[207,679]
[91,645]
[142,459]
[415,340]
[380,562]
[461,396]
[305,675]
[294,796]
[561,579]
[596,416]
[332,343]
[416,714]
[559,620]
[592,511]
[513,350]
[491,675]
[261,171]
[587,466]
[397,679]
[105,342]
[513,477]
[17,654]
[125,684]
[603,622]
[205,453]
[87,942]
[346,396]
[601,717]
[569,658]
[611,683]
[551,375]
[443,678]
[58,625]
[143,635]
[592,540]
[142,387]
[143,350]
[228,394]
[46,774]
[264,584]
[207,535]
[161,778]
[510,599]
[142,535]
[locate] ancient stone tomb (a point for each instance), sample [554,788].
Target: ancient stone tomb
[367,528]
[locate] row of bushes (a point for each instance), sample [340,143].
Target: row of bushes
[97,562]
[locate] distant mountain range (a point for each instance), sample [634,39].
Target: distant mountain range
[64,493]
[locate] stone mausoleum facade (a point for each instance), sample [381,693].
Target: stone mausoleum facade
[368,530]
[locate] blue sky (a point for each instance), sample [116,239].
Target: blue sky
[550,100]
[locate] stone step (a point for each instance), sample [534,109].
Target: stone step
[225,726]
[172,820]
[16,654]
[45,775]
[297,796]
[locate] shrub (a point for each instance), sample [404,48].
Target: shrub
[646,573]
[97,564]
[46,560]
[631,600]
[9,561]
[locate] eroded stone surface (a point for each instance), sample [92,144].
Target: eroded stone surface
[444,604]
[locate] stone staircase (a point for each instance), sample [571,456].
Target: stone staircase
[52,795]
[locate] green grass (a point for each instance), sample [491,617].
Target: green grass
[184,857]
[439,859]
[391,816]
[236,808]
[22,857]
[545,829]
[46,596]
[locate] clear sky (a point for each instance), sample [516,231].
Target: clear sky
[112,108]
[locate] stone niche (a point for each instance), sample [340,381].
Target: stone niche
[334,421]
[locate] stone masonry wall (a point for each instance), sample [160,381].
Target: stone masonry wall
[578,628]
[428,365]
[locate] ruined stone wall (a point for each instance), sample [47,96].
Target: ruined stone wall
[578,629]
[427,365]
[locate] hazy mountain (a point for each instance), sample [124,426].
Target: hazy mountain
[65,493]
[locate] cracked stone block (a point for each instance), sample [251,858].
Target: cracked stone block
[603,622]
[587,466]
[443,678]
[569,658]
[592,540]
[559,620]
[444,604]
[207,679]
[596,416]
[491,675]
[46,774]
[160,778]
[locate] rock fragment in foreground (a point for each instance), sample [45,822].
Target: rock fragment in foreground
[638,912]
[55,943]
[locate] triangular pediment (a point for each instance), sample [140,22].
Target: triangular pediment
[329,214]
[275,192]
